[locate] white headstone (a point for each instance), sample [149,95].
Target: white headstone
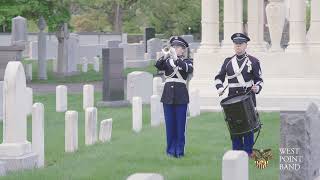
[96,64]
[29,102]
[105,130]
[194,105]
[61,98]
[157,83]
[155,110]
[91,125]
[139,84]
[84,64]
[71,131]
[88,96]
[235,165]
[145,176]
[38,132]
[136,114]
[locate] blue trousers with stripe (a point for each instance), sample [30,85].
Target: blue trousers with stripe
[243,142]
[175,118]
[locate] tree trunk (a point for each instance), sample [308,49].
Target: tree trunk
[117,26]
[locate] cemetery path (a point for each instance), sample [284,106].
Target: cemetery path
[72,87]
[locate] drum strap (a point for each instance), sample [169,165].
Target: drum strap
[237,70]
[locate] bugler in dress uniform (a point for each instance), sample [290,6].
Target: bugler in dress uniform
[243,73]
[175,97]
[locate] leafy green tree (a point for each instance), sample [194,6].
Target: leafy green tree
[56,12]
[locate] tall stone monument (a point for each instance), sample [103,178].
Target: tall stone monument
[42,50]
[15,150]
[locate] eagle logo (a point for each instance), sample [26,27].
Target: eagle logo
[262,157]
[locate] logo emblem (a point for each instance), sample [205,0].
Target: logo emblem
[262,157]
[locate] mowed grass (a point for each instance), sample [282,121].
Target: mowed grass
[129,152]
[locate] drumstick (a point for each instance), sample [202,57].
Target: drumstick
[224,90]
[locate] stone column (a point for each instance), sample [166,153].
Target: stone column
[275,15]
[62,36]
[61,98]
[297,30]
[233,23]
[155,110]
[256,25]
[210,25]
[38,132]
[88,96]
[105,130]
[71,131]
[42,50]
[313,34]
[91,125]
[235,166]
[136,114]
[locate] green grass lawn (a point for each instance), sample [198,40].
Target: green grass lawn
[81,77]
[129,152]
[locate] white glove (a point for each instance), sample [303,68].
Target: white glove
[220,91]
[173,54]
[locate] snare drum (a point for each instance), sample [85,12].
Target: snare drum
[240,114]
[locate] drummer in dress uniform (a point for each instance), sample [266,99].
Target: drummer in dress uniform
[243,73]
[175,96]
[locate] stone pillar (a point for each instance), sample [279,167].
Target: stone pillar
[297,29]
[61,98]
[42,50]
[73,53]
[15,149]
[105,130]
[91,125]
[210,26]
[233,23]
[136,114]
[38,132]
[235,166]
[62,61]
[155,110]
[256,25]
[313,33]
[71,131]
[88,96]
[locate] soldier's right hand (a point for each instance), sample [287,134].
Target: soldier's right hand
[220,91]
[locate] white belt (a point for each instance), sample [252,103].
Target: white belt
[247,84]
[176,80]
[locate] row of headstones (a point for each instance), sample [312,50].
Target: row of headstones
[71,119]
[143,85]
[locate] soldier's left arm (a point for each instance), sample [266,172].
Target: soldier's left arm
[257,75]
[186,65]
